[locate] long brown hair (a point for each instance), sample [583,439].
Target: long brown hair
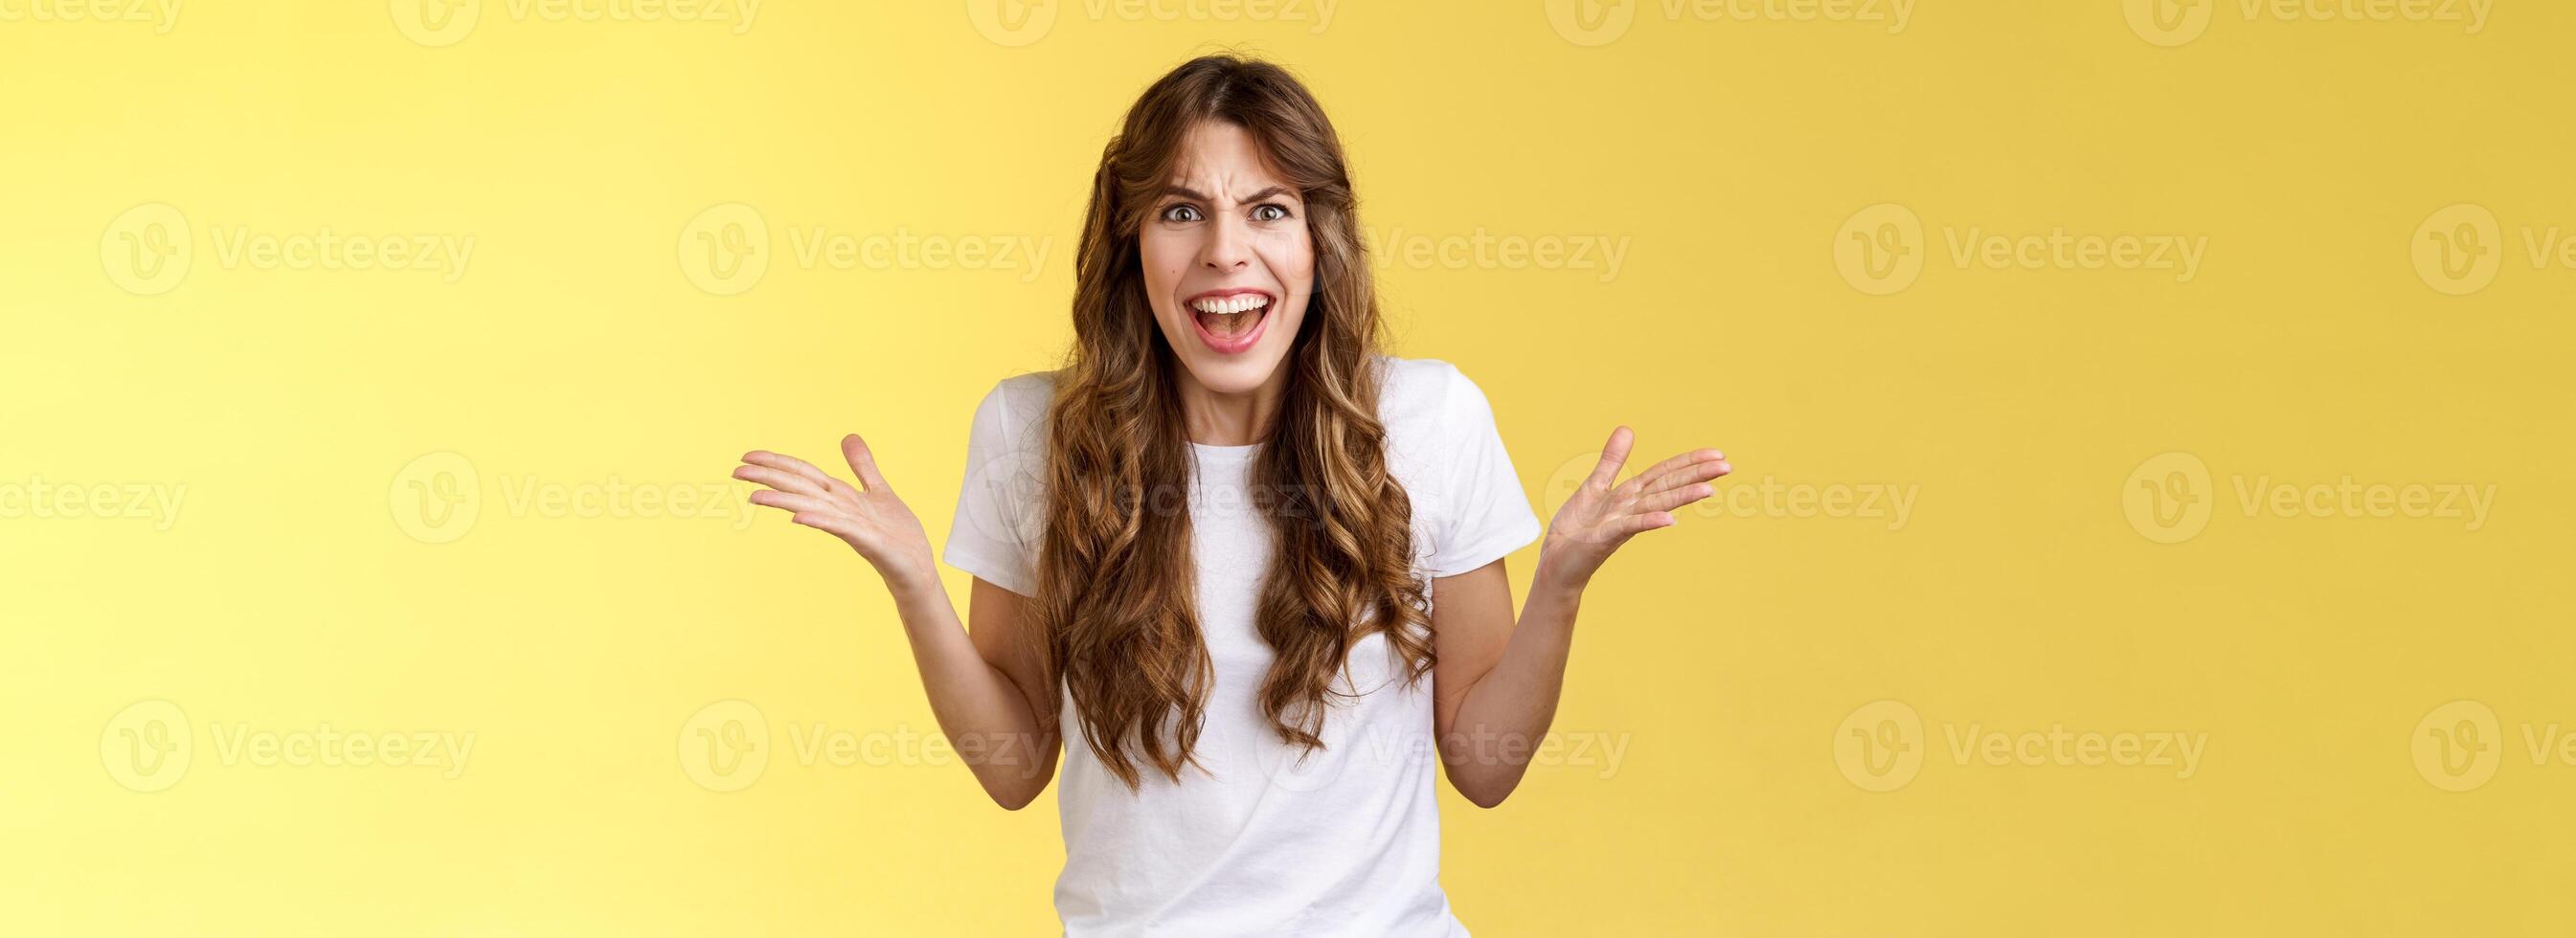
[1116,606]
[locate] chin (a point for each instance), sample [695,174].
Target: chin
[1239,375]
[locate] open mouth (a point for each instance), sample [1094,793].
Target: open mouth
[1231,321]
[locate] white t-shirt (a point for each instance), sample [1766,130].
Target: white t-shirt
[1347,843]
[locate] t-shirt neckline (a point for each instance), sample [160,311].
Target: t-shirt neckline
[1244,451]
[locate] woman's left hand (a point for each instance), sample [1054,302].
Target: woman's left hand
[1602,516]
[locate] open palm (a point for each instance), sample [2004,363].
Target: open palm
[1601,515]
[870,519]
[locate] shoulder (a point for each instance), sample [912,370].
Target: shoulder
[1017,405]
[1428,392]
[1433,415]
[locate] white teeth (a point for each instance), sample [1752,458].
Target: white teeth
[1237,303]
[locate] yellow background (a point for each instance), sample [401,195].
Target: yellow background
[578,354]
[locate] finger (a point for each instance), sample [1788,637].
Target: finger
[795,502]
[1645,480]
[786,463]
[782,481]
[1645,521]
[1614,454]
[1676,478]
[1670,499]
[863,462]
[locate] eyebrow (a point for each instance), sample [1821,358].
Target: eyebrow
[1196,196]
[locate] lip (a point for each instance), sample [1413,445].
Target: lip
[1239,344]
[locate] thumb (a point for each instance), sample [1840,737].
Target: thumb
[864,463]
[1614,454]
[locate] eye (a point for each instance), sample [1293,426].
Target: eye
[1181,212]
[1270,211]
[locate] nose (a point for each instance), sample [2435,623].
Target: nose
[1229,245]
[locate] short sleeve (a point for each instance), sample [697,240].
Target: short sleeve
[1486,515]
[994,534]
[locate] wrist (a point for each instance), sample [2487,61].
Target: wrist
[912,578]
[1556,575]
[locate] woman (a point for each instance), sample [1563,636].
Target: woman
[1213,539]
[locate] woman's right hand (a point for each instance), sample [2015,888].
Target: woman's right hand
[871,520]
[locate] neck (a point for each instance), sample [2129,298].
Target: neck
[1215,418]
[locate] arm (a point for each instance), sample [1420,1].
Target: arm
[983,687]
[1497,681]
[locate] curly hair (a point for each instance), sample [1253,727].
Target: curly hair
[1116,610]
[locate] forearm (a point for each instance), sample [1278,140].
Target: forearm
[1505,715]
[991,724]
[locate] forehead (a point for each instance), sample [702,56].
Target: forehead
[1226,156]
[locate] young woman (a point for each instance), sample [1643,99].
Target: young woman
[1213,538]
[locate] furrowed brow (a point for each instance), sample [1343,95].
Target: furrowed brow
[1197,196]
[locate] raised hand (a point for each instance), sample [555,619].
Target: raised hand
[1602,516]
[871,520]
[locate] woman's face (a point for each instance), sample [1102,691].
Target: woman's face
[1229,262]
